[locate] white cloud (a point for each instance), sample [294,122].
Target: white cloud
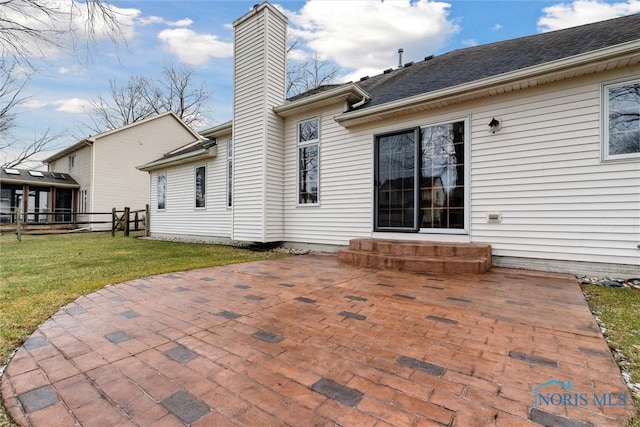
[73,105]
[193,48]
[151,20]
[64,70]
[578,12]
[469,42]
[180,23]
[365,35]
[33,104]
[496,27]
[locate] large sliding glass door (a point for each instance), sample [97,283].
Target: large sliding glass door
[420,179]
[396,189]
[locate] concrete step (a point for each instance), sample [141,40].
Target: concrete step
[418,257]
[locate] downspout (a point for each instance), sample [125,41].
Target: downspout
[360,103]
[92,183]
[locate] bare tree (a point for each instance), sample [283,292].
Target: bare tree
[125,105]
[23,151]
[141,98]
[179,92]
[15,150]
[10,94]
[29,27]
[304,75]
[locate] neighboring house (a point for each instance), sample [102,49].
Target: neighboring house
[105,164]
[531,145]
[46,192]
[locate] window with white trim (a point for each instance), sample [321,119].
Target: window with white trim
[201,189]
[72,162]
[162,190]
[621,130]
[229,173]
[83,201]
[308,161]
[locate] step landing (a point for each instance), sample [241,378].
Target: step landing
[418,256]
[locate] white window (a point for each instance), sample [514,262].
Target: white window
[621,121]
[162,190]
[72,161]
[83,198]
[200,184]
[229,173]
[308,161]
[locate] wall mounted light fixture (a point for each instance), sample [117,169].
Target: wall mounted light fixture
[494,125]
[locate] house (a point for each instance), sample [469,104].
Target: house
[531,145]
[104,165]
[46,192]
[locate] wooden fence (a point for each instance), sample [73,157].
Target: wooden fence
[125,220]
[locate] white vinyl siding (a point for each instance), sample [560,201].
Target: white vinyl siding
[229,173]
[274,153]
[179,217]
[542,173]
[82,174]
[345,177]
[259,60]
[116,181]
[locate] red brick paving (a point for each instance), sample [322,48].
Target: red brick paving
[495,337]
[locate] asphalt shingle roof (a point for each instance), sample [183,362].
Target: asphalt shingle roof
[48,179]
[479,62]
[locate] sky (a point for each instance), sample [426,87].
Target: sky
[361,37]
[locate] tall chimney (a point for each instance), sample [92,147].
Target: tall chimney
[400,51]
[258,133]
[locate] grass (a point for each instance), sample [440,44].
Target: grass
[43,273]
[619,311]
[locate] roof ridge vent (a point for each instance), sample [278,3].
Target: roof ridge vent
[364,78]
[387,71]
[427,58]
[408,64]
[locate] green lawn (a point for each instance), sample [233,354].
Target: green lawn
[619,311]
[43,273]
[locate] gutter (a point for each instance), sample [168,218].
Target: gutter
[217,131]
[492,85]
[190,157]
[348,92]
[40,183]
[75,147]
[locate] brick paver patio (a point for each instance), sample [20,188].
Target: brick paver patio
[307,341]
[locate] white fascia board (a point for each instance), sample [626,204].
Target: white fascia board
[217,131]
[348,92]
[488,86]
[72,148]
[193,156]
